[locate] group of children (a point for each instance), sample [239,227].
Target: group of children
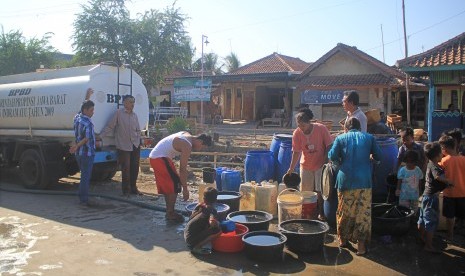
[445,171]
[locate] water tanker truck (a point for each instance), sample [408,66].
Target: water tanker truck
[36,119]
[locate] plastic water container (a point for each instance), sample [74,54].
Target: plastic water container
[208,175]
[309,205]
[219,170]
[247,191]
[231,180]
[259,165]
[281,187]
[442,225]
[266,199]
[386,166]
[289,205]
[202,187]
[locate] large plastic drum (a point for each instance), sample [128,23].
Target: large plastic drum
[386,166]
[275,147]
[231,180]
[259,166]
[276,143]
[219,170]
[284,160]
[330,208]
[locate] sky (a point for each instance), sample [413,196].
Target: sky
[253,29]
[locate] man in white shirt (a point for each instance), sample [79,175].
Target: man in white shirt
[350,103]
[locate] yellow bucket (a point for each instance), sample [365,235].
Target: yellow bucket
[289,205]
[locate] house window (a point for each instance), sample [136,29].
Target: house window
[238,92]
[228,94]
[439,99]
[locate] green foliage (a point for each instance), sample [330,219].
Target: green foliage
[154,44]
[210,64]
[177,124]
[20,55]
[232,62]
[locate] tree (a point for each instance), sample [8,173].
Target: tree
[100,32]
[232,62]
[20,55]
[154,43]
[210,63]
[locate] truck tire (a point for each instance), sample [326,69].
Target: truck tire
[103,172]
[32,170]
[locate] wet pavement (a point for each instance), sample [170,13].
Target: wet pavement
[44,234]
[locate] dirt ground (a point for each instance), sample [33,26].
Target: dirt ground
[48,233]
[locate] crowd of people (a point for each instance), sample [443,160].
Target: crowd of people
[421,171]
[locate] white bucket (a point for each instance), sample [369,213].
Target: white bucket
[289,205]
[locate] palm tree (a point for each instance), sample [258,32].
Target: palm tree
[232,62]
[210,63]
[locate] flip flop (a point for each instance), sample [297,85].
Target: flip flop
[201,251]
[361,253]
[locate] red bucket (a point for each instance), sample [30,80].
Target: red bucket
[309,205]
[231,242]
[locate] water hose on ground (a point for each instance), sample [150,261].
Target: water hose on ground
[69,193]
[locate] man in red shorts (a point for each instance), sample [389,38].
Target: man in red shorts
[169,182]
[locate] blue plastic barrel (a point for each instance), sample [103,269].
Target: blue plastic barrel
[330,208]
[386,166]
[276,143]
[219,170]
[259,165]
[231,180]
[284,160]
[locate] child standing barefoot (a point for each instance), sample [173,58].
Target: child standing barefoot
[435,183]
[409,179]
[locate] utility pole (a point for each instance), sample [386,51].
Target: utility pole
[407,90]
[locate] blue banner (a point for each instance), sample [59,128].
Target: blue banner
[322,96]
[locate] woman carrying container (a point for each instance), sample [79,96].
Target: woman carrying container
[311,141]
[351,151]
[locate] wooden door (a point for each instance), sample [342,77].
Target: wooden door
[238,104]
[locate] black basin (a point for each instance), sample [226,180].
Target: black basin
[304,235]
[264,246]
[232,199]
[254,220]
[391,219]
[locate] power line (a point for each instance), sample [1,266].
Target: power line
[417,32]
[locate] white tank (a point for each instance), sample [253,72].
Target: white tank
[45,103]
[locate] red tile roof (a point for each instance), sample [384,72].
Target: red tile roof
[451,52]
[274,63]
[384,69]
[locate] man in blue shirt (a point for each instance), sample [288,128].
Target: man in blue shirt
[84,147]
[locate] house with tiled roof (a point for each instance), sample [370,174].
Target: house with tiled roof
[345,67]
[260,89]
[443,68]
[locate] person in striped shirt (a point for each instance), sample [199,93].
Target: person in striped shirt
[84,149]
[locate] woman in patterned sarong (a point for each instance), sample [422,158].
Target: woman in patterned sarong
[351,151]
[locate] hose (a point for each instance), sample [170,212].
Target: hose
[117,198]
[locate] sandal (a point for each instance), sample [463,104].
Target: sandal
[201,251]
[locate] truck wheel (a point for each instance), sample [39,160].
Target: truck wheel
[102,172]
[32,170]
